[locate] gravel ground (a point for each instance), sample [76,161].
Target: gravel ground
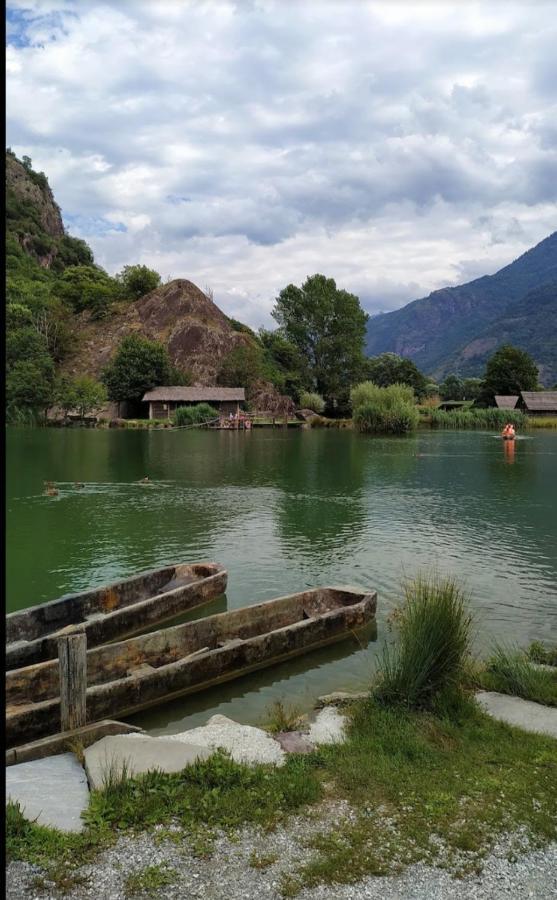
[252,866]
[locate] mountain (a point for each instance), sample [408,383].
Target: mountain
[197,334]
[456,329]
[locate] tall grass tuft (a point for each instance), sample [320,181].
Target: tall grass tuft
[509,671]
[384,409]
[195,415]
[310,400]
[429,658]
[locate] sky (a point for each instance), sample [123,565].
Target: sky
[397,147]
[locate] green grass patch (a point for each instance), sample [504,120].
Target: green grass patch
[542,422]
[150,880]
[545,656]
[510,671]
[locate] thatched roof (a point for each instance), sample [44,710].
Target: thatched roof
[540,401]
[195,395]
[506,401]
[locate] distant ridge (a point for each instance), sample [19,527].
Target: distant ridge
[456,329]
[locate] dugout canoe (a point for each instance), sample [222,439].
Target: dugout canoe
[128,676]
[111,612]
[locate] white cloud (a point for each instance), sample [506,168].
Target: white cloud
[396,147]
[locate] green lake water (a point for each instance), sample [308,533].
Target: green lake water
[284,510]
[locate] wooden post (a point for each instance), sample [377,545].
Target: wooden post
[72,661]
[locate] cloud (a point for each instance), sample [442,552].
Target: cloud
[394,146]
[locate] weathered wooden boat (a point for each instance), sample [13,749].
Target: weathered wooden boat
[154,668]
[111,612]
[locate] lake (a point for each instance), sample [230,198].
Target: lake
[284,510]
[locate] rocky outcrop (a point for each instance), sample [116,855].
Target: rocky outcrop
[196,332]
[29,187]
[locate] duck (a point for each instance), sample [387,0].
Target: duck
[52,492]
[144,480]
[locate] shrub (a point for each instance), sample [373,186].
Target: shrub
[195,415]
[312,401]
[543,655]
[384,409]
[433,644]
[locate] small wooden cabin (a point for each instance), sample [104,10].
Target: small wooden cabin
[539,403]
[506,401]
[164,401]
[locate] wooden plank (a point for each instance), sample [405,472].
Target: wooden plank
[61,743]
[72,659]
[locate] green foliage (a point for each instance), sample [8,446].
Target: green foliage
[312,401]
[472,388]
[83,394]
[285,366]
[282,718]
[327,326]
[433,645]
[138,280]
[149,880]
[389,368]
[452,388]
[88,287]
[508,371]
[72,252]
[492,418]
[389,409]
[137,366]
[244,366]
[243,329]
[195,415]
[545,656]
[509,671]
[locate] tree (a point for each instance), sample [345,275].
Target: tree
[137,366]
[242,367]
[472,388]
[138,280]
[328,327]
[452,388]
[390,368]
[88,287]
[30,385]
[83,394]
[508,371]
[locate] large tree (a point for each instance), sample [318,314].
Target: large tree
[390,368]
[138,366]
[509,371]
[328,327]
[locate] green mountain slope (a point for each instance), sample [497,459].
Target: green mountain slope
[454,329]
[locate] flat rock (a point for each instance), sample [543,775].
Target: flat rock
[245,743]
[522,713]
[340,698]
[137,754]
[53,791]
[294,742]
[328,728]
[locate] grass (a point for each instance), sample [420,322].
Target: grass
[434,630]
[542,422]
[283,718]
[478,418]
[149,880]
[543,655]
[510,671]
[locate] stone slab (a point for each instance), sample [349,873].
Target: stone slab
[328,728]
[522,713]
[245,743]
[340,698]
[53,791]
[136,754]
[294,742]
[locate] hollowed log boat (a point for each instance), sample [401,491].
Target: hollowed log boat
[111,612]
[151,669]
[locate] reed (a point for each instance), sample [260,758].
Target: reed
[509,671]
[478,418]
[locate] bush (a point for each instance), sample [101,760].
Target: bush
[195,415]
[478,418]
[433,645]
[384,409]
[312,401]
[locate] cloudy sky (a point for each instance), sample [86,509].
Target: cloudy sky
[395,146]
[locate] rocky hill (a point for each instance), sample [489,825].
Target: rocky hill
[456,329]
[196,332]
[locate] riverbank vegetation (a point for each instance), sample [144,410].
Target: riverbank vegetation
[389,410]
[511,671]
[491,418]
[426,774]
[197,414]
